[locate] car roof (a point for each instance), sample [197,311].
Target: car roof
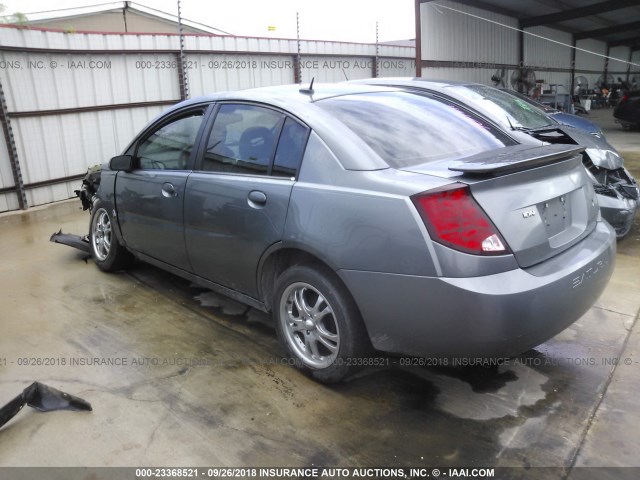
[290,97]
[411,81]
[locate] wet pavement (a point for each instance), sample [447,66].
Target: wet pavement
[180,376]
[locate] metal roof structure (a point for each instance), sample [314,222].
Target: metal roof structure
[38,18]
[616,22]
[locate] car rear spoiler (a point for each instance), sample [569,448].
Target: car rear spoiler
[515,158]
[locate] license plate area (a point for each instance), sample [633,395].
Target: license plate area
[556,214]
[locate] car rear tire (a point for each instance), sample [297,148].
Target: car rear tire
[106,251]
[319,324]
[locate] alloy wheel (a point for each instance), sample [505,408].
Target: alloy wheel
[309,325]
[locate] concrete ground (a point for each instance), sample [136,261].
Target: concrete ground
[179,376]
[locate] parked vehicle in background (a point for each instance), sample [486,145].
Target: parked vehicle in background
[617,190]
[564,118]
[360,217]
[627,112]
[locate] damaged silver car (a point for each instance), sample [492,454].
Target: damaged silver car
[617,190]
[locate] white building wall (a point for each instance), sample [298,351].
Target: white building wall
[476,75]
[335,69]
[67,144]
[548,52]
[220,72]
[590,65]
[397,67]
[452,36]
[590,61]
[618,68]
[55,81]
[541,49]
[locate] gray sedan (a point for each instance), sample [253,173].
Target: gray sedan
[365,218]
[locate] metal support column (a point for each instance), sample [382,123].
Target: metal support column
[376,66]
[182,69]
[606,67]
[418,39]
[573,66]
[521,64]
[297,69]
[12,151]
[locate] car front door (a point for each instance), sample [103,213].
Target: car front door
[150,199]
[237,199]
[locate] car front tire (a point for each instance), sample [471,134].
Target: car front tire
[106,251]
[319,324]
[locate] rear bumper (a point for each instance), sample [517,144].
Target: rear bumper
[490,316]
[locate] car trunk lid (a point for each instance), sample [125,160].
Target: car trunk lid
[539,198]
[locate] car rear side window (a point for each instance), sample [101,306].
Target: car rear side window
[243,139]
[169,147]
[291,147]
[407,129]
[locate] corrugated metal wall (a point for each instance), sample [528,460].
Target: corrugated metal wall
[57,81]
[618,68]
[470,44]
[65,145]
[221,72]
[452,36]
[550,60]
[589,65]
[76,100]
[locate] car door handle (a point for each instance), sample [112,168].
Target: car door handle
[168,190]
[257,198]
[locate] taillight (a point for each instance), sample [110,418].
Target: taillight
[453,218]
[624,98]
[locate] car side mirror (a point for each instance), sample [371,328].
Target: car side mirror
[121,163]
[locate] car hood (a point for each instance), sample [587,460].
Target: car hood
[601,152]
[575,121]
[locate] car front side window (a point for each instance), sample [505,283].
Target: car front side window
[169,147]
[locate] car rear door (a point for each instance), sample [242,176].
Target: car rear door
[150,199]
[237,199]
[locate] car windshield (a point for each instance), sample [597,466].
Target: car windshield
[546,108]
[506,109]
[407,129]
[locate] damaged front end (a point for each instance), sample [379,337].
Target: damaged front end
[618,195]
[617,190]
[86,194]
[89,188]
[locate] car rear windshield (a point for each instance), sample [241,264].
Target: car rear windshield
[507,109]
[407,129]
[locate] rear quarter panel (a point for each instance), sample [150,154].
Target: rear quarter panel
[358,220]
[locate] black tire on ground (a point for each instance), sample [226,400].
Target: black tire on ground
[106,251]
[318,323]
